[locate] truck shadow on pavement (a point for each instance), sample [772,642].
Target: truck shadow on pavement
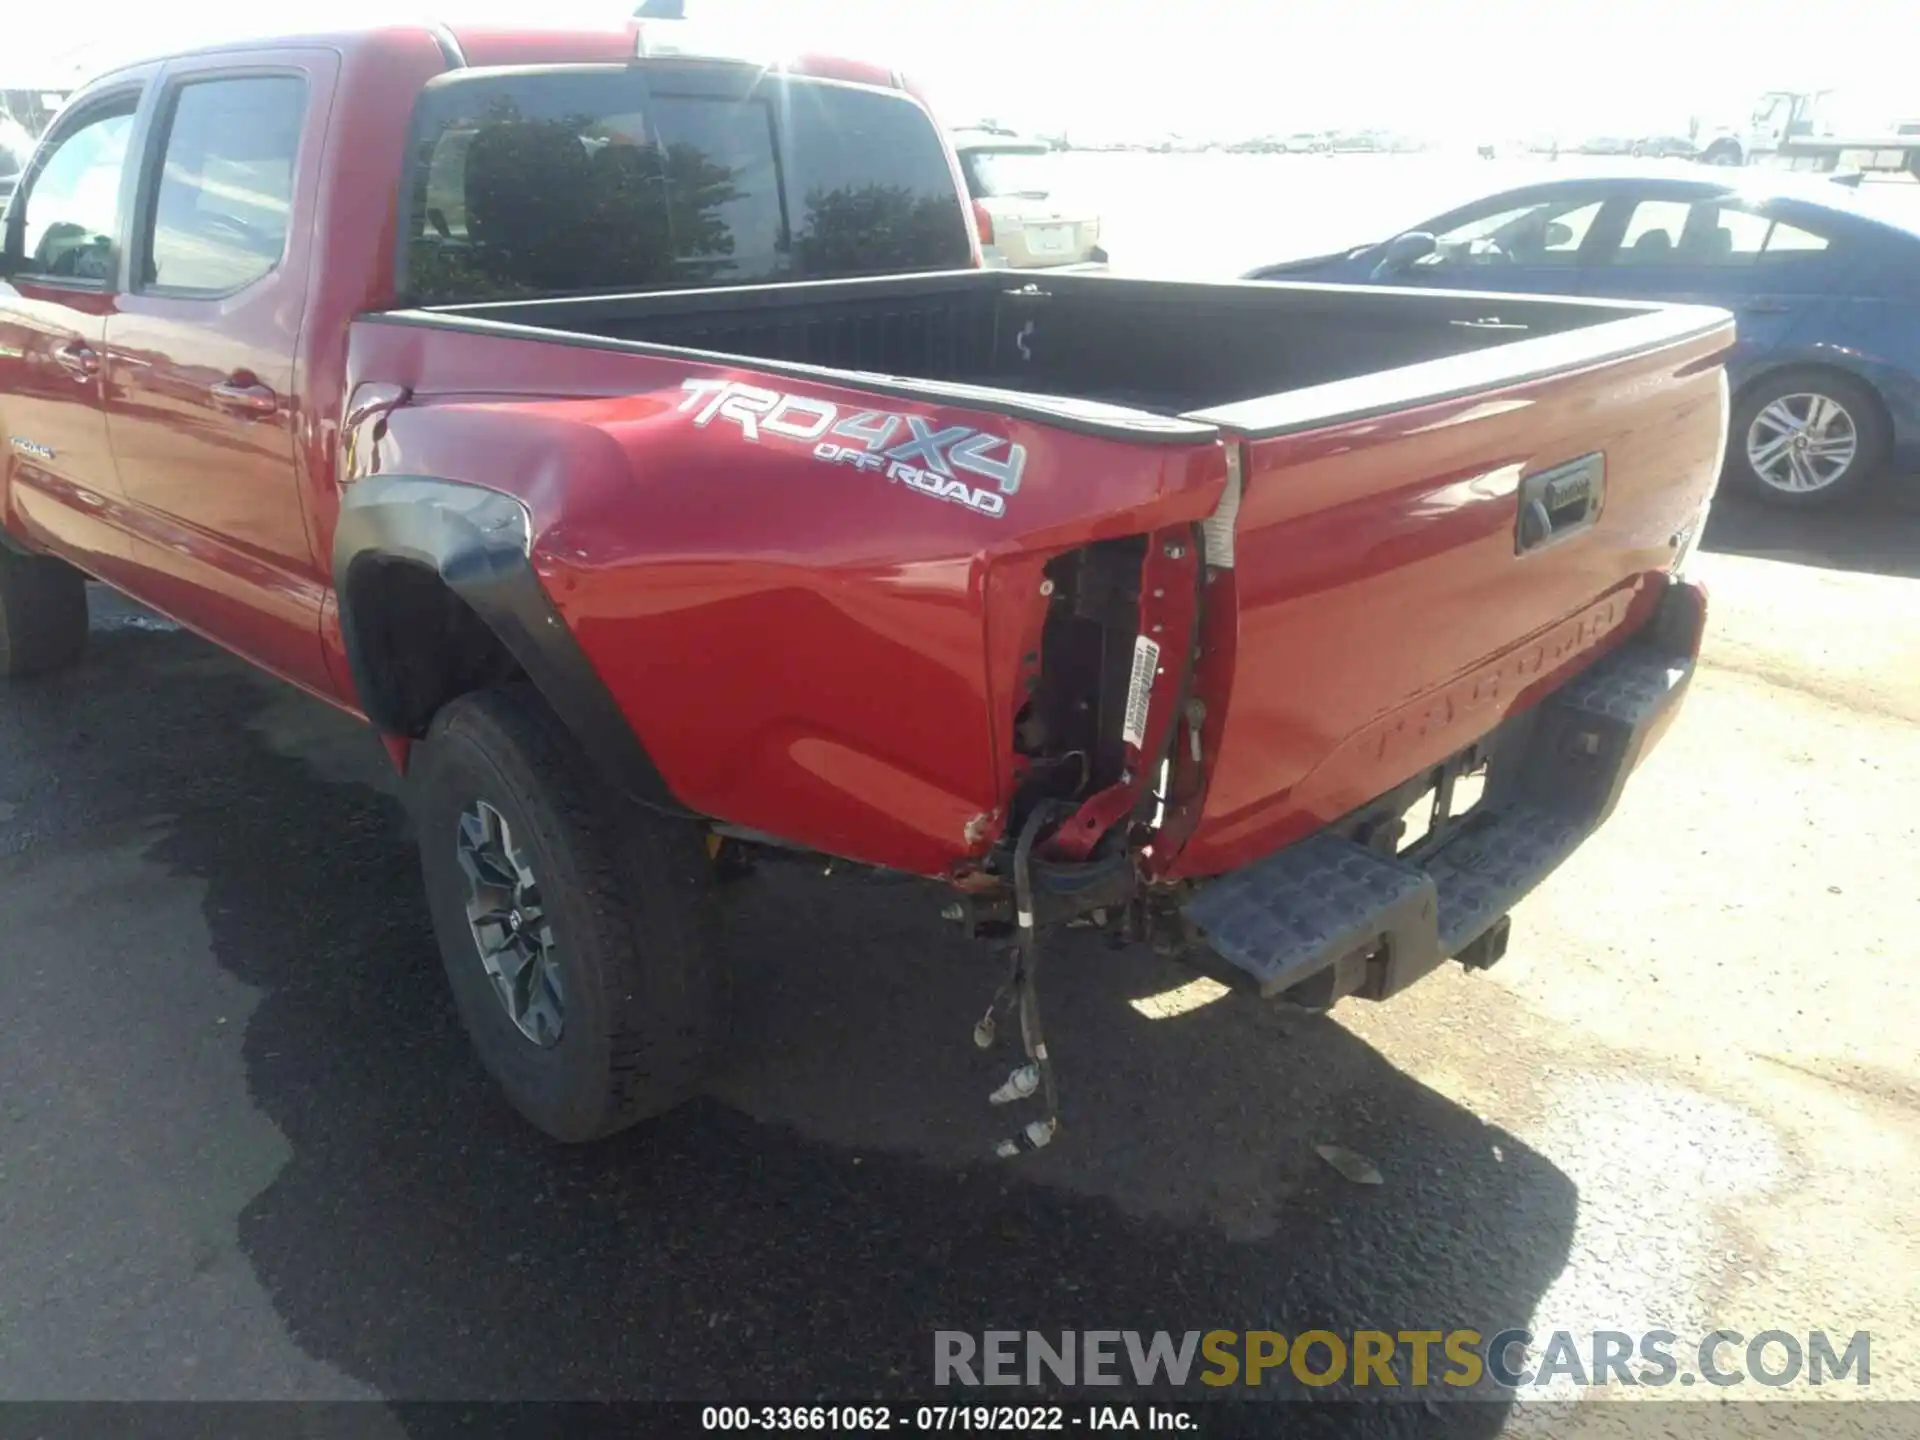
[803,1232]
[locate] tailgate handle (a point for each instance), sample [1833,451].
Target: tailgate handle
[1559,502]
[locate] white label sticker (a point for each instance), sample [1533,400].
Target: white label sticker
[1146,664]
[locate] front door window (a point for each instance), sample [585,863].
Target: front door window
[68,218]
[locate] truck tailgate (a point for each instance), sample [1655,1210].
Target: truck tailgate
[1403,580]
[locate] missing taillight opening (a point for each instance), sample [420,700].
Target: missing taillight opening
[1117,651]
[1070,729]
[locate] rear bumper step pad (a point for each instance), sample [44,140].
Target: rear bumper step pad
[1374,923]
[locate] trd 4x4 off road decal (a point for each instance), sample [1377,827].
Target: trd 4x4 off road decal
[906,449]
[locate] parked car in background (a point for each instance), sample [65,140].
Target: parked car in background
[1824,279]
[1021,221]
[32,108]
[1664,147]
[15,146]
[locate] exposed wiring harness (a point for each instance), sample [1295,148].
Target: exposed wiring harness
[1036,1075]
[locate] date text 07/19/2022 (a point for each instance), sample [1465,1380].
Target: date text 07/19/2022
[948,1419]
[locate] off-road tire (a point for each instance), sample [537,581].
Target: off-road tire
[43,614]
[627,891]
[1873,432]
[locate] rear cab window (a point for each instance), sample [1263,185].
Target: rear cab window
[581,179]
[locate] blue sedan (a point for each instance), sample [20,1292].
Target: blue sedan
[1823,277]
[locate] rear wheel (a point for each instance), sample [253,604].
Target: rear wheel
[1723,152]
[1807,438]
[43,614]
[576,929]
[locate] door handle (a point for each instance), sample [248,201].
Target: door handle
[1766,307]
[249,397]
[80,361]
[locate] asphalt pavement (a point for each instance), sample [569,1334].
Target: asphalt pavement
[245,1152]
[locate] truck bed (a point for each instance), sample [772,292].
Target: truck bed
[1166,348]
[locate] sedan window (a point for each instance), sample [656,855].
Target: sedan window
[1549,232]
[1653,231]
[1709,232]
[1791,239]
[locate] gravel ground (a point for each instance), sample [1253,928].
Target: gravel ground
[244,1152]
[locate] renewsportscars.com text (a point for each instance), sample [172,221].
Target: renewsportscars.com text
[1382,1359]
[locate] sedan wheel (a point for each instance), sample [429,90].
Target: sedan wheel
[1807,438]
[1802,443]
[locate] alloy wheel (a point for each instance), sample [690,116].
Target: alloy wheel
[509,925]
[1802,443]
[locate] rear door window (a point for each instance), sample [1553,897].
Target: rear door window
[585,179]
[221,203]
[1716,233]
[1785,239]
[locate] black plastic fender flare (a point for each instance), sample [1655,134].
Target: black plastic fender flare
[479,541]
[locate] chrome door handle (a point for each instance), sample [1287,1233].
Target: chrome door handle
[79,361]
[251,398]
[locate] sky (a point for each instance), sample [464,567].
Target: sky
[1218,69]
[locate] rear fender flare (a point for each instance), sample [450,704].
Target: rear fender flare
[479,542]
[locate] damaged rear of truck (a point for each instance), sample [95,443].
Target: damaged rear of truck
[634,440]
[1001,584]
[1296,630]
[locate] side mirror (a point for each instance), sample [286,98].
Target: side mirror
[1402,252]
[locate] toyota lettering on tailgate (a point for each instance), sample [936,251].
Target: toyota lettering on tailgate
[906,449]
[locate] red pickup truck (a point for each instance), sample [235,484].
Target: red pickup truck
[635,442]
